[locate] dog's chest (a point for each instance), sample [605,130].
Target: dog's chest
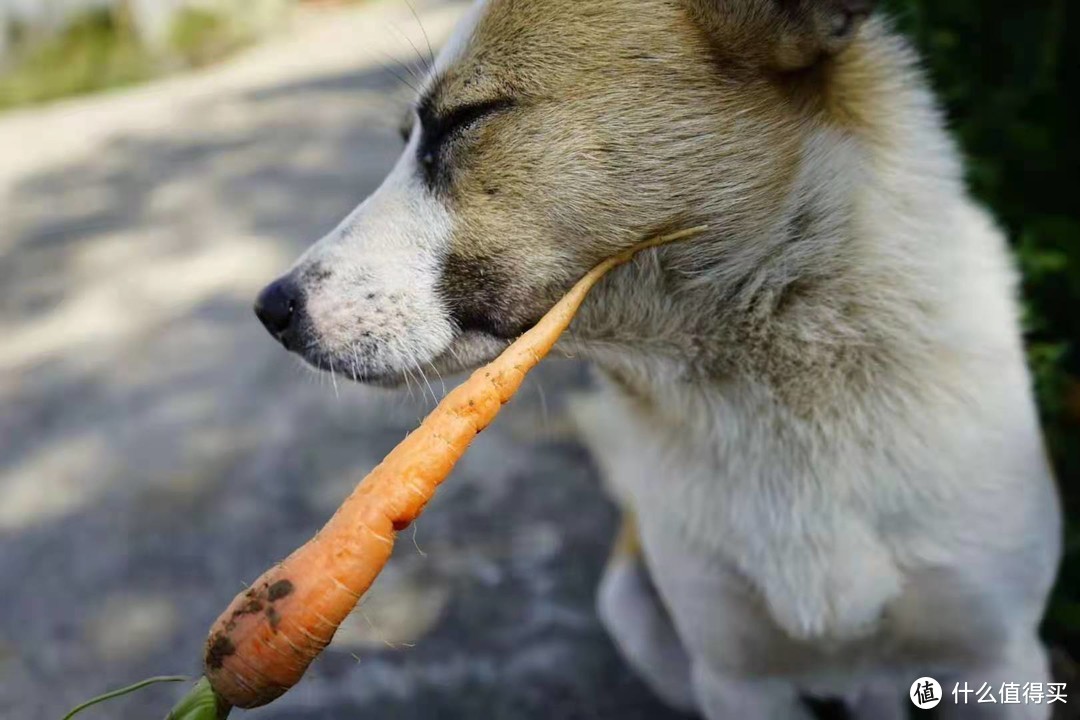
[704,520]
[682,477]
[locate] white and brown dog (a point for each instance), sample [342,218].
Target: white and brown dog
[819,413]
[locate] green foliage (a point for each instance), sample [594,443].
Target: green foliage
[100,50]
[147,683]
[1007,73]
[95,52]
[200,37]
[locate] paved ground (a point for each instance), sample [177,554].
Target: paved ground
[157,449]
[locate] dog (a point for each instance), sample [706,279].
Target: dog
[817,415]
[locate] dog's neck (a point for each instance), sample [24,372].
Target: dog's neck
[839,293]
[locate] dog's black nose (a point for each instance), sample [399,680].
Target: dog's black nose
[276,308]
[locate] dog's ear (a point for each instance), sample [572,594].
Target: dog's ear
[811,29]
[783,34]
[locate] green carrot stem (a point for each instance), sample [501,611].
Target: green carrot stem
[201,703]
[125,691]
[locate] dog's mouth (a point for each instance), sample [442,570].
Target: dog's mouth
[400,342]
[468,350]
[341,367]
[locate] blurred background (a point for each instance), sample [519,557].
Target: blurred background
[159,161]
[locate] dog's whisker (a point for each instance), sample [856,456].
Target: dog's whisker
[412,397]
[423,61]
[408,375]
[454,354]
[355,365]
[333,378]
[397,75]
[425,379]
[438,375]
[407,67]
[423,30]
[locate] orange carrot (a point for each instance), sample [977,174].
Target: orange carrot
[263,643]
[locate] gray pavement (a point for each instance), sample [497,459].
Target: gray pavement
[157,449]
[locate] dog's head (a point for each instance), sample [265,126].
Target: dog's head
[549,135]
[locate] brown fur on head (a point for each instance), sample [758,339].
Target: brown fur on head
[622,119]
[556,132]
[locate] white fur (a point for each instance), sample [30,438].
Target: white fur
[377,314]
[916,530]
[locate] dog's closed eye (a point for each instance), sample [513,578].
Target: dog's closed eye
[438,127]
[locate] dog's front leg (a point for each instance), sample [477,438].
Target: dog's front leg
[829,581]
[639,624]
